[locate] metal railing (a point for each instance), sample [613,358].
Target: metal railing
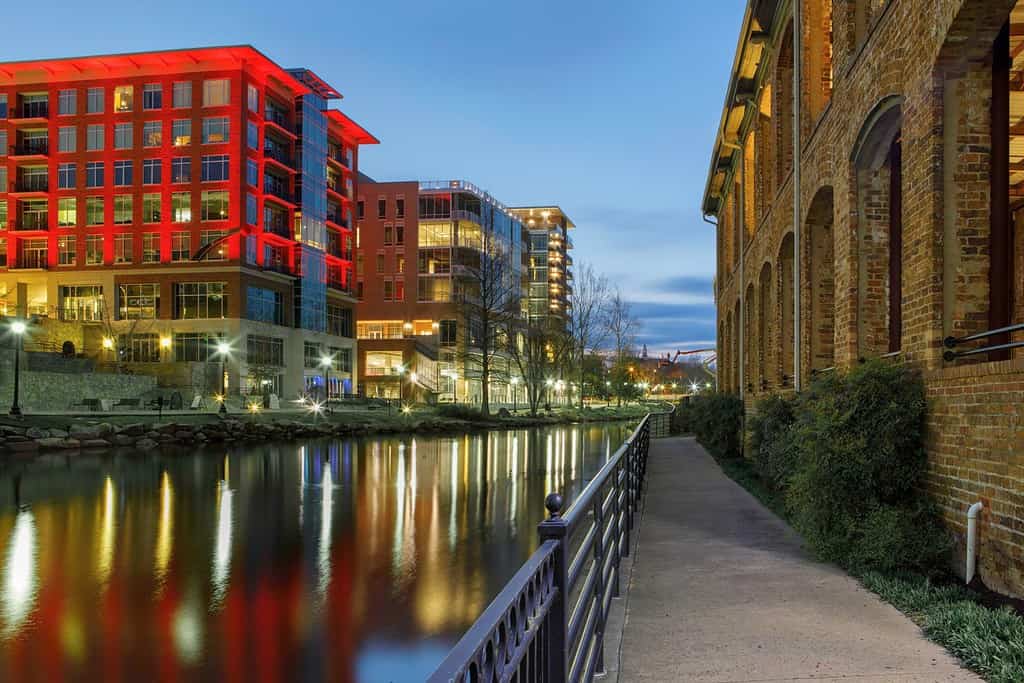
[548,622]
[952,342]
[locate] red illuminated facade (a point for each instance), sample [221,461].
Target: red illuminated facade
[178,196]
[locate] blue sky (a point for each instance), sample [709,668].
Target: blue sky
[606,108]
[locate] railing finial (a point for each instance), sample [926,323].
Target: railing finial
[553,502]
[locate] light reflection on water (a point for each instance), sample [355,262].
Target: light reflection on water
[345,560]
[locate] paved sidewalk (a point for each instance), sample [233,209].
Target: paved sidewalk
[721,591]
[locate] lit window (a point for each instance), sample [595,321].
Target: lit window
[93,250]
[181,243]
[151,171]
[123,97]
[94,101]
[218,252]
[216,92]
[67,102]
[94,138]
[151,247]
[152,133]
[122,173]
[181,94]
[181,170]
[181,207]
[215,130]
[123,209]
[94,210]
[215,205]
[66,250]
[152,96]
[123,248]
[67,212]
[151,208]
[181,132]
[67,139]
[138,301]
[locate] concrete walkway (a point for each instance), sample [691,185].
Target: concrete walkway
[721,591]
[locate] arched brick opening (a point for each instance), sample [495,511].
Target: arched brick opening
[765,316]
[750,187]
[878,191]
[786,318]
[749,339]
[782,108]
[821,279]
[817,64]
[764,176]
[735,323]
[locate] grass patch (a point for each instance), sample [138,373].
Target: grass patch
[988,641]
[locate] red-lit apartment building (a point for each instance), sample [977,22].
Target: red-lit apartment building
[160,201]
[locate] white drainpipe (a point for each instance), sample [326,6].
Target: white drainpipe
[972,539]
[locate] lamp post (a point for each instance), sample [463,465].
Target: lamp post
[18,328]
[223,349]
[326,363]
[515,393]
[401,374]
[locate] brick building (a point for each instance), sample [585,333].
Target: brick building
[865,181]
[164,200]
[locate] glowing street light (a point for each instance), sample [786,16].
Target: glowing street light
[515,394]
[326,362]
[17,328]
[223,350]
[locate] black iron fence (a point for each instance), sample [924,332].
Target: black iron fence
[1002,342]
[548,623]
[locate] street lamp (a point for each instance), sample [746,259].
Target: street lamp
[326,363]
[515,393]
[223,349]
[18,328]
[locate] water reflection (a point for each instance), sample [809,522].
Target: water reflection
[329,560]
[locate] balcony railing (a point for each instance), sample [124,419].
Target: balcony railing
[31,147]
[548,623]
[32,221]
[279,228]
[32,260]
[279,155]
[32,184]
[338,219]
[278,190]
[278,118]
[35,110]
[1001,344]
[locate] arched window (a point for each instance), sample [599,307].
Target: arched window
[817,66]
[786,321]
[737,223]
[877,165]
[735,352]
[821,279]
[765,157]
[765,343]
[782,109]
[749,338]
[750,186]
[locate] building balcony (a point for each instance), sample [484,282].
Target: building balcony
[30,262]
[30,148]
[338,221]
[29,185]
[30,112]
[279,122]
[277,268]
[339,159]
[279,157]
[279,228]
[339,191]
[31,222]
[279,193]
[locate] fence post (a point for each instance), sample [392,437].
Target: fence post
[557,529]
[599,586]
[628,483]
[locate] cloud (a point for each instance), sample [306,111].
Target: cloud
[675,325]
[685,284]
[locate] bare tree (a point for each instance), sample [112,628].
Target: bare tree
[586,313]
[490,304]
[538,346]
[621,326]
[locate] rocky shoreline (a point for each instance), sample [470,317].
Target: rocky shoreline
[145,436]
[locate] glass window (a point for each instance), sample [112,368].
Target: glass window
[139,347]
[33,253]
[67,212]
[252,212]
[3,143]
[399,235]
[215,167]
[181,132]
[198,300]
[399,208]
[3,106]
[252,173]
[389,290]
[93,250]
[123,248]
[181,246]
[181,207]
[66,250]
[67,176]
[94,101]
[94,174]
[123,98]
[254,98]
[435,234]
[215,130]
[122,209]
[67,139]
[194,346]
[253,136]
[151,171]
[152,96]
[34,214]
[123,173]
[181,170]
[94,211]
[360,209]
[181,94]
[94,138]
[264,305]
[260,350]
[151,247]
[215,205]
[151,208]
[81,302]
[152,133]
[218,252]
[339,320]
[216,92]
[311,354]
[389,235]
[382,208]
[447,330]
[67,102]
[123,133]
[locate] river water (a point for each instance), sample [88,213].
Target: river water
[341,560]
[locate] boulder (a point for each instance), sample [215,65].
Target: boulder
[62,433]
[135,429]
[200,437]
[56,442]
[95,443]
[122,439]
[23,446]
[145,444]
[184,435]
[16,438]
[503,412]
[8,430]
[83,431]
[106,428]
[36,433]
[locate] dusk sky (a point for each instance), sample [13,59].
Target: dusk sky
[605,108]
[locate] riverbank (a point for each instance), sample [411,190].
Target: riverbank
[34,433]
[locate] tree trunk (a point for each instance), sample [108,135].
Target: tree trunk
[485,405]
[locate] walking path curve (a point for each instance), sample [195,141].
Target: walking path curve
[722,591]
